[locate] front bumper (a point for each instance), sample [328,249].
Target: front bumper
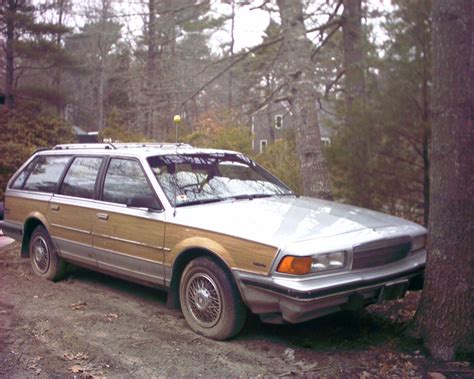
[283,299]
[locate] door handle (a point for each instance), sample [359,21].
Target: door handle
[102,216]
[55,207]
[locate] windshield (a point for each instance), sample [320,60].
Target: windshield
[202,178]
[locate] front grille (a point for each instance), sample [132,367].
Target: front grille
[380,252]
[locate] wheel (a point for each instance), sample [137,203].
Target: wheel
[44,260]
[210,301]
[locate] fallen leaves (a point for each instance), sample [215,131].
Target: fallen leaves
[111,316]
[76,369]
[33,365]
[75,357]
[78,306]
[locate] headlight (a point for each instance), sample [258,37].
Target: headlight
[316,263]
[418,243]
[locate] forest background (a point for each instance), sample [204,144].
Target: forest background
[130,66]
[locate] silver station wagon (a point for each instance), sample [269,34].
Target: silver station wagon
[213,228]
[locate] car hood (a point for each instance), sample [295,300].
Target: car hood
[278,221]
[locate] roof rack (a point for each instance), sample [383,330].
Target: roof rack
[74,146]
[114,146]
[134,145]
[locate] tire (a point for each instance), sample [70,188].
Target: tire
[44,259]
[210,301]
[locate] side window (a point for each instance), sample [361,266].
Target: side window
[20,179]
[125,179]
[45,175]
[81,176]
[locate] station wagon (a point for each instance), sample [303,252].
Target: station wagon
[214,229]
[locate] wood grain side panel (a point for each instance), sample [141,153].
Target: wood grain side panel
[135,236]
[71,222]
[237,253]
[21,208]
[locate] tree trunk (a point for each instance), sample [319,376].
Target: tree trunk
[150,68]
[10,52]
[353,51]
[426,142]
[303,96]
[102,57]
[445,316]
[355,99]
[58,71]
[231,52]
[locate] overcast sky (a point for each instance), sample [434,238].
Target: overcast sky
[249,23]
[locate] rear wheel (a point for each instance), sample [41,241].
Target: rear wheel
[43,257]
[210,300]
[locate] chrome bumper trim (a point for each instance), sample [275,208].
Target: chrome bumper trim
[295,300]
[334,290]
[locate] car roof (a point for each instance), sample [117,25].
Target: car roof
[137,149]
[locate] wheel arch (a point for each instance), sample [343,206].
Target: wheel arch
[30,225]
[180,264]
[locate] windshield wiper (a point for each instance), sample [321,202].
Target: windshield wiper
[249,197]
[200,201]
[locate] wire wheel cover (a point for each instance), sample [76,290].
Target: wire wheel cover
[203,300]
[41,255]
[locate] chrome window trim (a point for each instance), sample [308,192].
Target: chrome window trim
[30,195]
[129,211]
[71,163]
[17,172]
[60,178]
[136,158]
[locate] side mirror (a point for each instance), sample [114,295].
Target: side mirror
[145,201]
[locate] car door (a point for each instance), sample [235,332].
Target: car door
[128,241]
[72,209]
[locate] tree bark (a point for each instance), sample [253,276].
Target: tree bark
[445,316]
[231,52]
[353,51]
[10,52]
[303,96]
[355,99]
[102,57]
[58,71]
[150,68]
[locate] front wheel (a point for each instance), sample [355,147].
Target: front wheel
[43,257]
[210,301]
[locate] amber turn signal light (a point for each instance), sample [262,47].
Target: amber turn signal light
[295,265]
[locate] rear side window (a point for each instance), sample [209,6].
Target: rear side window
[125,179]
[46,174]
[20,179]
[81,177]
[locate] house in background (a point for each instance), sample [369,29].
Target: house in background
[270,123]
[85,137]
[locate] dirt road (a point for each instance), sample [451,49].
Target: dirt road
[90,325]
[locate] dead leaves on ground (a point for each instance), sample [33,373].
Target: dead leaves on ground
[78,306]
[75,357]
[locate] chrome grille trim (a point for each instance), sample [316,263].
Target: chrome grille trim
[381,252]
